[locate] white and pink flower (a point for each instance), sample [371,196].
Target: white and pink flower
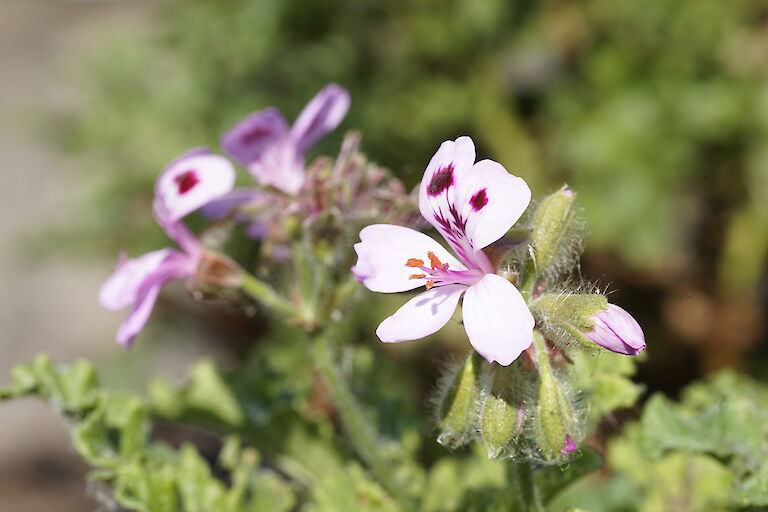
[472,204]
[186,184]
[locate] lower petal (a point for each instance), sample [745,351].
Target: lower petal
[497,319]
[121,288]
[421,316]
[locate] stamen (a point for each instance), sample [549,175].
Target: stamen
[418,276]
[414,262]
[430,284]
[434,261]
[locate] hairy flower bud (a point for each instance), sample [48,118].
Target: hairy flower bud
[556,233]
[555,421]
[503,414]
[589,320]
[616,330]
[458,403]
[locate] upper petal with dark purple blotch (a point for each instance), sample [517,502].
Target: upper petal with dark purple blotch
[439,202]
[190,182]
[249,139]
[449,164]
[321,115]
[497,319]
[491,200]
[385,249]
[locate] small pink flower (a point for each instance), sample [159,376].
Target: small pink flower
[472,205]
[185,185]
[274,153]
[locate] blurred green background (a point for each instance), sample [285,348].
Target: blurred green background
[656,112]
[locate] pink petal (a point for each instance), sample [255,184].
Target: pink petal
[497,319]
[224,205]
[421,316]
[190,182]
[176,266]
[250,138]
[385,249]
[438,200]
[321,115]
[281,167]
[119,291]
[491,200]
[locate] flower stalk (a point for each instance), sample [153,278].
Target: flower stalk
[356,424]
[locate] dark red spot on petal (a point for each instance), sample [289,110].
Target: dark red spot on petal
[186,181]
[255,135]
[479,200]
[441,180]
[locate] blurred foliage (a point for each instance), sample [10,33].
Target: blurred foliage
[280,448]
[657,113]
[709,452]
[280,445]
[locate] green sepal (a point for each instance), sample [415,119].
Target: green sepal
[458,405]
[556,233]
[564,317]
[555,418]
[503,415]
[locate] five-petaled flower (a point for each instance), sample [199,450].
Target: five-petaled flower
[472,205]
[185,185]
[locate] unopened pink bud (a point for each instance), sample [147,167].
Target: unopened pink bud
[617,331]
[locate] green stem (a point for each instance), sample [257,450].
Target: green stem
[520,478]
[529,278]
[265,294]
[361,432]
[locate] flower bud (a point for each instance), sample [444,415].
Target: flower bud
[616,330]
[458,403]
[564,318]
[556,233]
[502,417]
[555,420]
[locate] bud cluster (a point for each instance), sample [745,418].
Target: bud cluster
[532,409]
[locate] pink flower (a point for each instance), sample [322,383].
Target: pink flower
[472,205]
[273,153]
[616,330]
[185,185]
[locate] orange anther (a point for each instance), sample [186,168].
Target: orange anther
[430,284]
[434,261]
[418,276]
[414,262]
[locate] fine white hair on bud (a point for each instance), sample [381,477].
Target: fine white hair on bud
[558,229]
[456,401]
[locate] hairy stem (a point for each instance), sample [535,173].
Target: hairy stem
[520,477]
[265,294]
[357,425]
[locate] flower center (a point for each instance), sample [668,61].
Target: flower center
[438,273]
